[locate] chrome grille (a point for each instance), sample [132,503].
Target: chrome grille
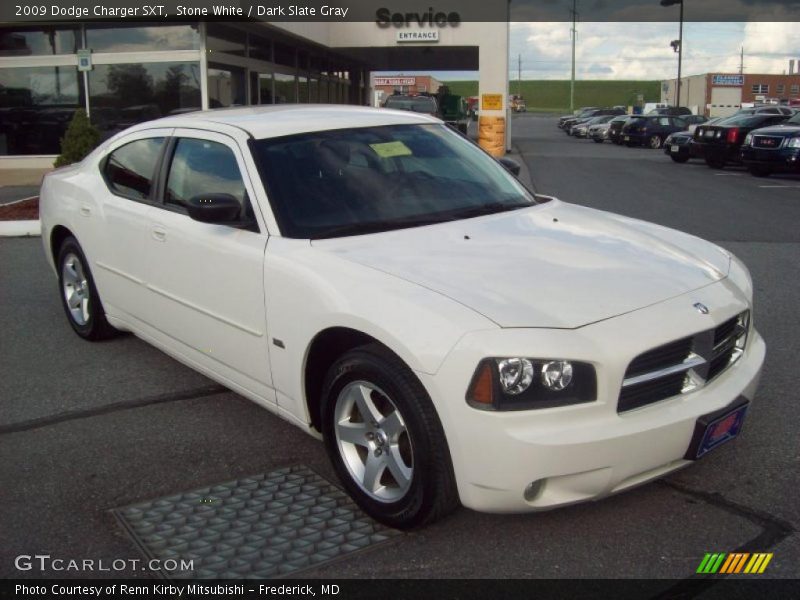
[684,365]
[767,141]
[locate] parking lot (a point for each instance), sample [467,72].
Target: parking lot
[86,428]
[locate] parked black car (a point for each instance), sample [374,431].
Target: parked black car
[671,111]
[580,113]
[650,130]
[680,147]
[615,128]
[597,112]
[721,143]
[773,149]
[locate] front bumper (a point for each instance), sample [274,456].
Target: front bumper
[539,459]
[784,159]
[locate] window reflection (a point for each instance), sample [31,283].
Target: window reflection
[135,38]
[35,41]
[126,94]
[36,106]
[224,39]
[225,86]
[284,89]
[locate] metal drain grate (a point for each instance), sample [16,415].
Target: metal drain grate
[269,525]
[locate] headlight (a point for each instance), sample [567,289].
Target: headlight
[668,141]
[518,383]
[748,139]
[793,143]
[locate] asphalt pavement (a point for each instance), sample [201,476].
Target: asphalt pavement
[85,428]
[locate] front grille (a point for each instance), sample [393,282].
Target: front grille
[684,365]
[767,141]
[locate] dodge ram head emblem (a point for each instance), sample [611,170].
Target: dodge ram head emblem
[701,308]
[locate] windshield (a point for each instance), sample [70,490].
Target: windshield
[355,181]
[743,120]
[422,104]
[795,120]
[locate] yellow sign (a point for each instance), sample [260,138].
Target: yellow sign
[492,102]
[391,149]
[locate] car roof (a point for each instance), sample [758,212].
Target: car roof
[288,119]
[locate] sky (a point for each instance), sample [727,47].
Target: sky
[642,50]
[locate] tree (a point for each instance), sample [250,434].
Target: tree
[80,139]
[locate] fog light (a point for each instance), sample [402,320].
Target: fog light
[516,375]
[557,375]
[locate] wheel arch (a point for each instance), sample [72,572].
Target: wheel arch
[57,236]
[326,348]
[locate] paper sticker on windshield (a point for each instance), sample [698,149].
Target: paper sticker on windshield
[391,149]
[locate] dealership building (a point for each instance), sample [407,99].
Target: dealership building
[721,94]
[127,73]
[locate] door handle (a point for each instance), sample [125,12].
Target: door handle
[86,210]
[159,233]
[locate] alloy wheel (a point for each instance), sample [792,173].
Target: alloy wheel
[75,287]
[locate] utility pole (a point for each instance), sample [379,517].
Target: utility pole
[741,63]
[519,75]
[574,32]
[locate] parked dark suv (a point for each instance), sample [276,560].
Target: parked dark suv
[773,149]
[721,143]
[615,128]
[671,111]
[650,130]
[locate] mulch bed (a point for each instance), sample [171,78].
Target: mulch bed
[21,211]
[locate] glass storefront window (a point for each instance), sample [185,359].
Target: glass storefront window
[37,41]
[136,38]
[302,89]
[224,39]
[126,94]
[36,106]
[323,90]
[226,86]
[260,88]
[284,89]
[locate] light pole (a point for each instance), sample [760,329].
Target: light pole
[678,47]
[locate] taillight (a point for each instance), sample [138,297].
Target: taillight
[733,135]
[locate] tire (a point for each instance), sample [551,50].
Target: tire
[79,296]
[715,163]
[759,171]
[679,159]
[597,141]
[411,444]
[654,142]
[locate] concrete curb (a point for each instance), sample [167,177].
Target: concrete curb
[20,228]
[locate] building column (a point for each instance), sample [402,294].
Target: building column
[494,131]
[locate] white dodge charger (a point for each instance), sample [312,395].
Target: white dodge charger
[382,283]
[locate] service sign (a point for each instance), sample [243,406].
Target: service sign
[395,81]
[423,35]
[730,80]
[492,102]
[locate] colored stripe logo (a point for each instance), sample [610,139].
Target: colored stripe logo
[734,563]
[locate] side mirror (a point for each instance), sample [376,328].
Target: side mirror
[511,165]
[214,208]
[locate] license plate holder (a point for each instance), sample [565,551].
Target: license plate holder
[674,148]
[715,429]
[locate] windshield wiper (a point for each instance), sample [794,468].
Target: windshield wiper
[377,226]
[489,209]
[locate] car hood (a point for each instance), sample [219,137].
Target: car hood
[555,265]
[784,130]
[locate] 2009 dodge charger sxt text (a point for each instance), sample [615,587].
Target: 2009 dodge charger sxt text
[381,282]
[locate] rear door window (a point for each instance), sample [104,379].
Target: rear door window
[129,169]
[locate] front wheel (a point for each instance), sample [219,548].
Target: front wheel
[679,159]
[385,439]
[79,296]
[654,142]
[597,140]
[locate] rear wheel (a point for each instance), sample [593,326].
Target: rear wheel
[654,142]
[597,140]
[759,171]
[679,159]
[715,163]
[79,296]
[385,439]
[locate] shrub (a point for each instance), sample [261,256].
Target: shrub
[80,139]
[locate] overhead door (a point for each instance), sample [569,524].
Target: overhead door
[725,101]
